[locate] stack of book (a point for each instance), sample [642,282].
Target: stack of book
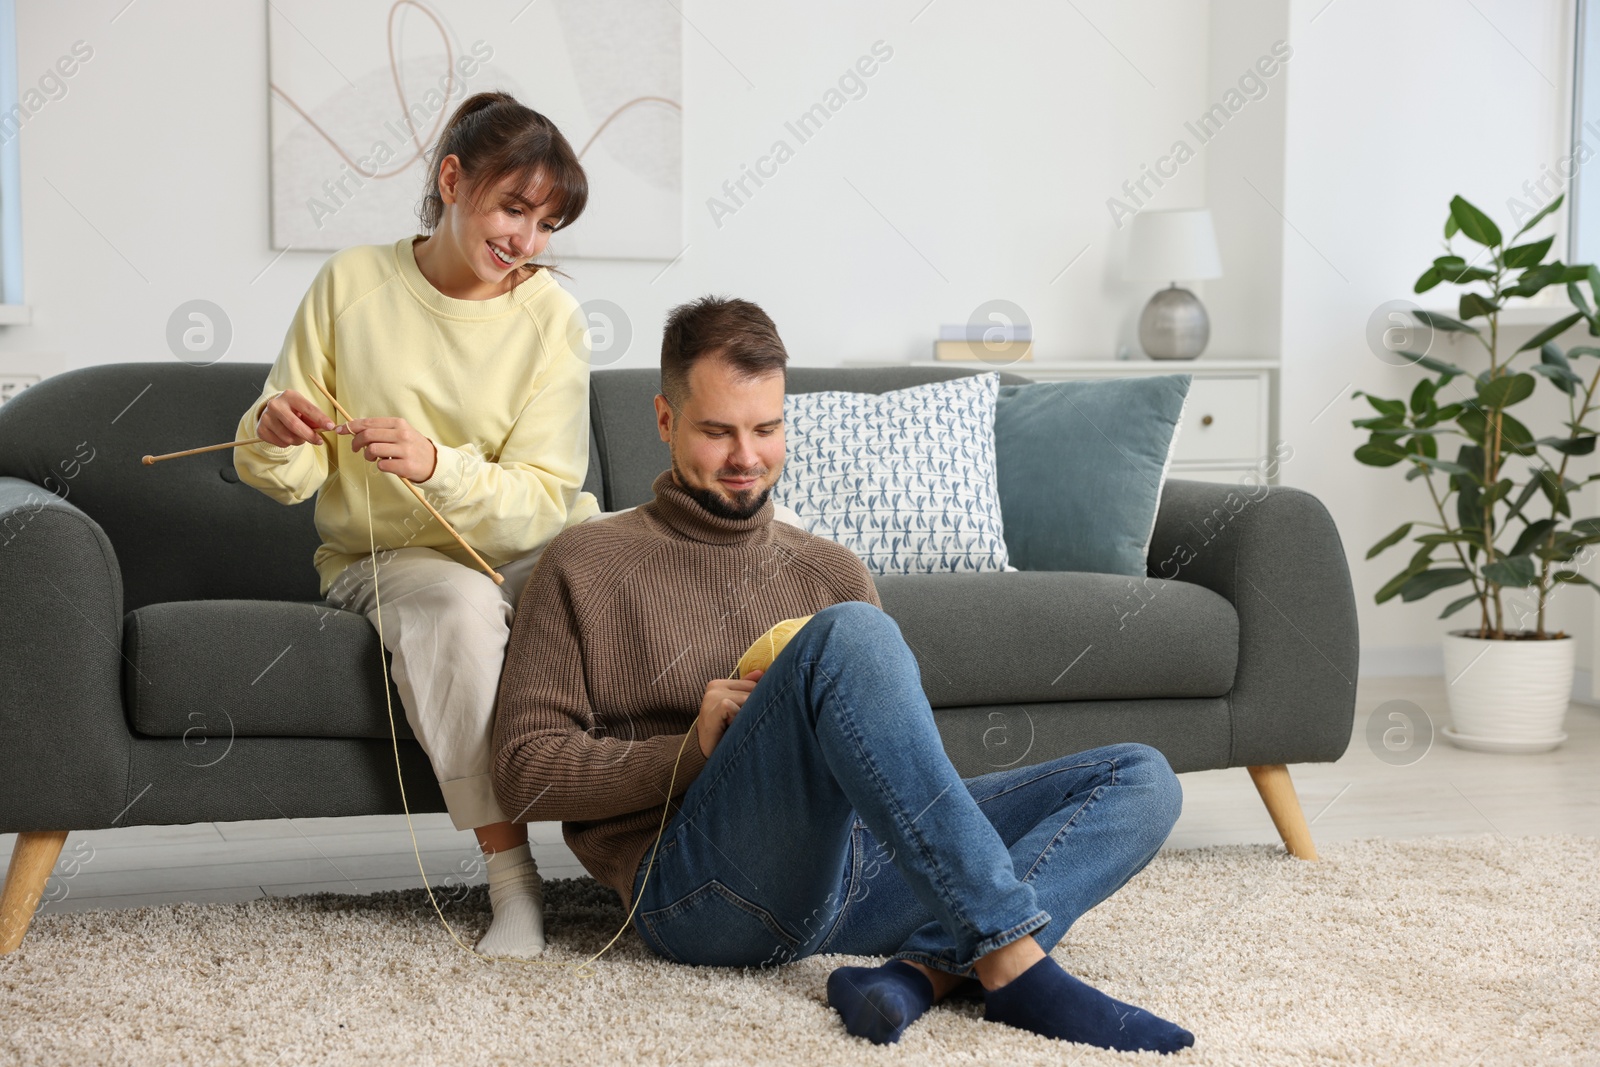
[985,342]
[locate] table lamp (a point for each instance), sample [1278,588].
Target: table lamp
[1168,245]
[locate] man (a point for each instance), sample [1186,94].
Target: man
[780,787]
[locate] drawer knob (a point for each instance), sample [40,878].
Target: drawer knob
[1205,420]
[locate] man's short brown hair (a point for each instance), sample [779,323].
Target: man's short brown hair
[731,329]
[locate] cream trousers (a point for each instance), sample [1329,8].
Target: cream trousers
[446,626]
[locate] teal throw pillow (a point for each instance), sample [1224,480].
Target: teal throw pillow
[1080,466]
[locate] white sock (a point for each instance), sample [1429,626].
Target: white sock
[516,893]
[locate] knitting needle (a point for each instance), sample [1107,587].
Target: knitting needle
[499,579]
[195,451]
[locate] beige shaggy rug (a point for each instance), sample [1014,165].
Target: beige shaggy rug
[1471,951]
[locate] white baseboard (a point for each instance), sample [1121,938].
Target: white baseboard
[1390,661]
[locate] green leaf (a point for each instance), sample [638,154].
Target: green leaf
[1392,539]
[1528,255]
[1442,322]
[1532,534]
[1505,390]
[1500,489]
[1515,437]
[1550,352]
[1448,370]
[1465,275]
[1535,279]
[1457,605]
[1554,330]
[1556,494]
[1531,223]
[1469,516]
[1558,553]
[1472,305]
[1450,227]
[1443,466]
[1420,585]
[1522,498]
[1426,280]
[1474,223]
[1570,446]
[1587,527]
[1396,408]
[1560,377]
[1454,537]
[1422,396]
[1471,457]
[1572,577]
[1392,586]
[1583,350]
[1378,455]
[1513,571]
[1380,422]
[1576,296]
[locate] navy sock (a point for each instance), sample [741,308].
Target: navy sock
[1047,1000]
[878,1003]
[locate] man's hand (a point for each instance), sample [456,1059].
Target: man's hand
[290,418]
[395,444]
[724,697]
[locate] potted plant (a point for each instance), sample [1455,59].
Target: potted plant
[1503,500]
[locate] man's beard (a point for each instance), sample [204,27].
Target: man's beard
[716,503]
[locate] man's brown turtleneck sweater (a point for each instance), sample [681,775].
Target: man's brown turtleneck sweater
[621,625]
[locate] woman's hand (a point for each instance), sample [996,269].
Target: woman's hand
[394,444]
[724,697]
[290,418]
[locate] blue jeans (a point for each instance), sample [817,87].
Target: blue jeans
[829,819]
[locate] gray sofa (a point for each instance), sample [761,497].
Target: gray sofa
[166,658]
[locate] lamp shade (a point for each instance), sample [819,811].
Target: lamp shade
[1172,246]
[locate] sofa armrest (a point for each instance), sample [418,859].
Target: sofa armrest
[64,740]
[1275,554]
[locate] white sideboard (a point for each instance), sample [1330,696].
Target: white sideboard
[1230,422]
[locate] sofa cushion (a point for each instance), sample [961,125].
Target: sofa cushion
[1080,467]
[200,669]
[251,668]
[1043,636]
[904,479]
[622,416]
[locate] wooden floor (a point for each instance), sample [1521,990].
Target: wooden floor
[1446,791]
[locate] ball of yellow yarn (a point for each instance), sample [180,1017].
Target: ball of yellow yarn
[759,656]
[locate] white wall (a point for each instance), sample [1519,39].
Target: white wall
[1393,109]
[976,166]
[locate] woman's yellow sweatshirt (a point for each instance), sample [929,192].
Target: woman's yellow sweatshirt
[501,387]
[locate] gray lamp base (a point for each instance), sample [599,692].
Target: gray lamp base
[1174,325]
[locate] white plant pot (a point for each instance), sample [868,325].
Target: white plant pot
[1507,696]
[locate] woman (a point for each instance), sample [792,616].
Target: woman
[466,368]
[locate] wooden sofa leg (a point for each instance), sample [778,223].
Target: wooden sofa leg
[1277,792]
[32,861]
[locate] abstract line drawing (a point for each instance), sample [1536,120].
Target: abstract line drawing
[360,91]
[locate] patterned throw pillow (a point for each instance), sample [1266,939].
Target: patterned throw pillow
[905,479]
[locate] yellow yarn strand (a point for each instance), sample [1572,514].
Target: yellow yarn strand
[580,968]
